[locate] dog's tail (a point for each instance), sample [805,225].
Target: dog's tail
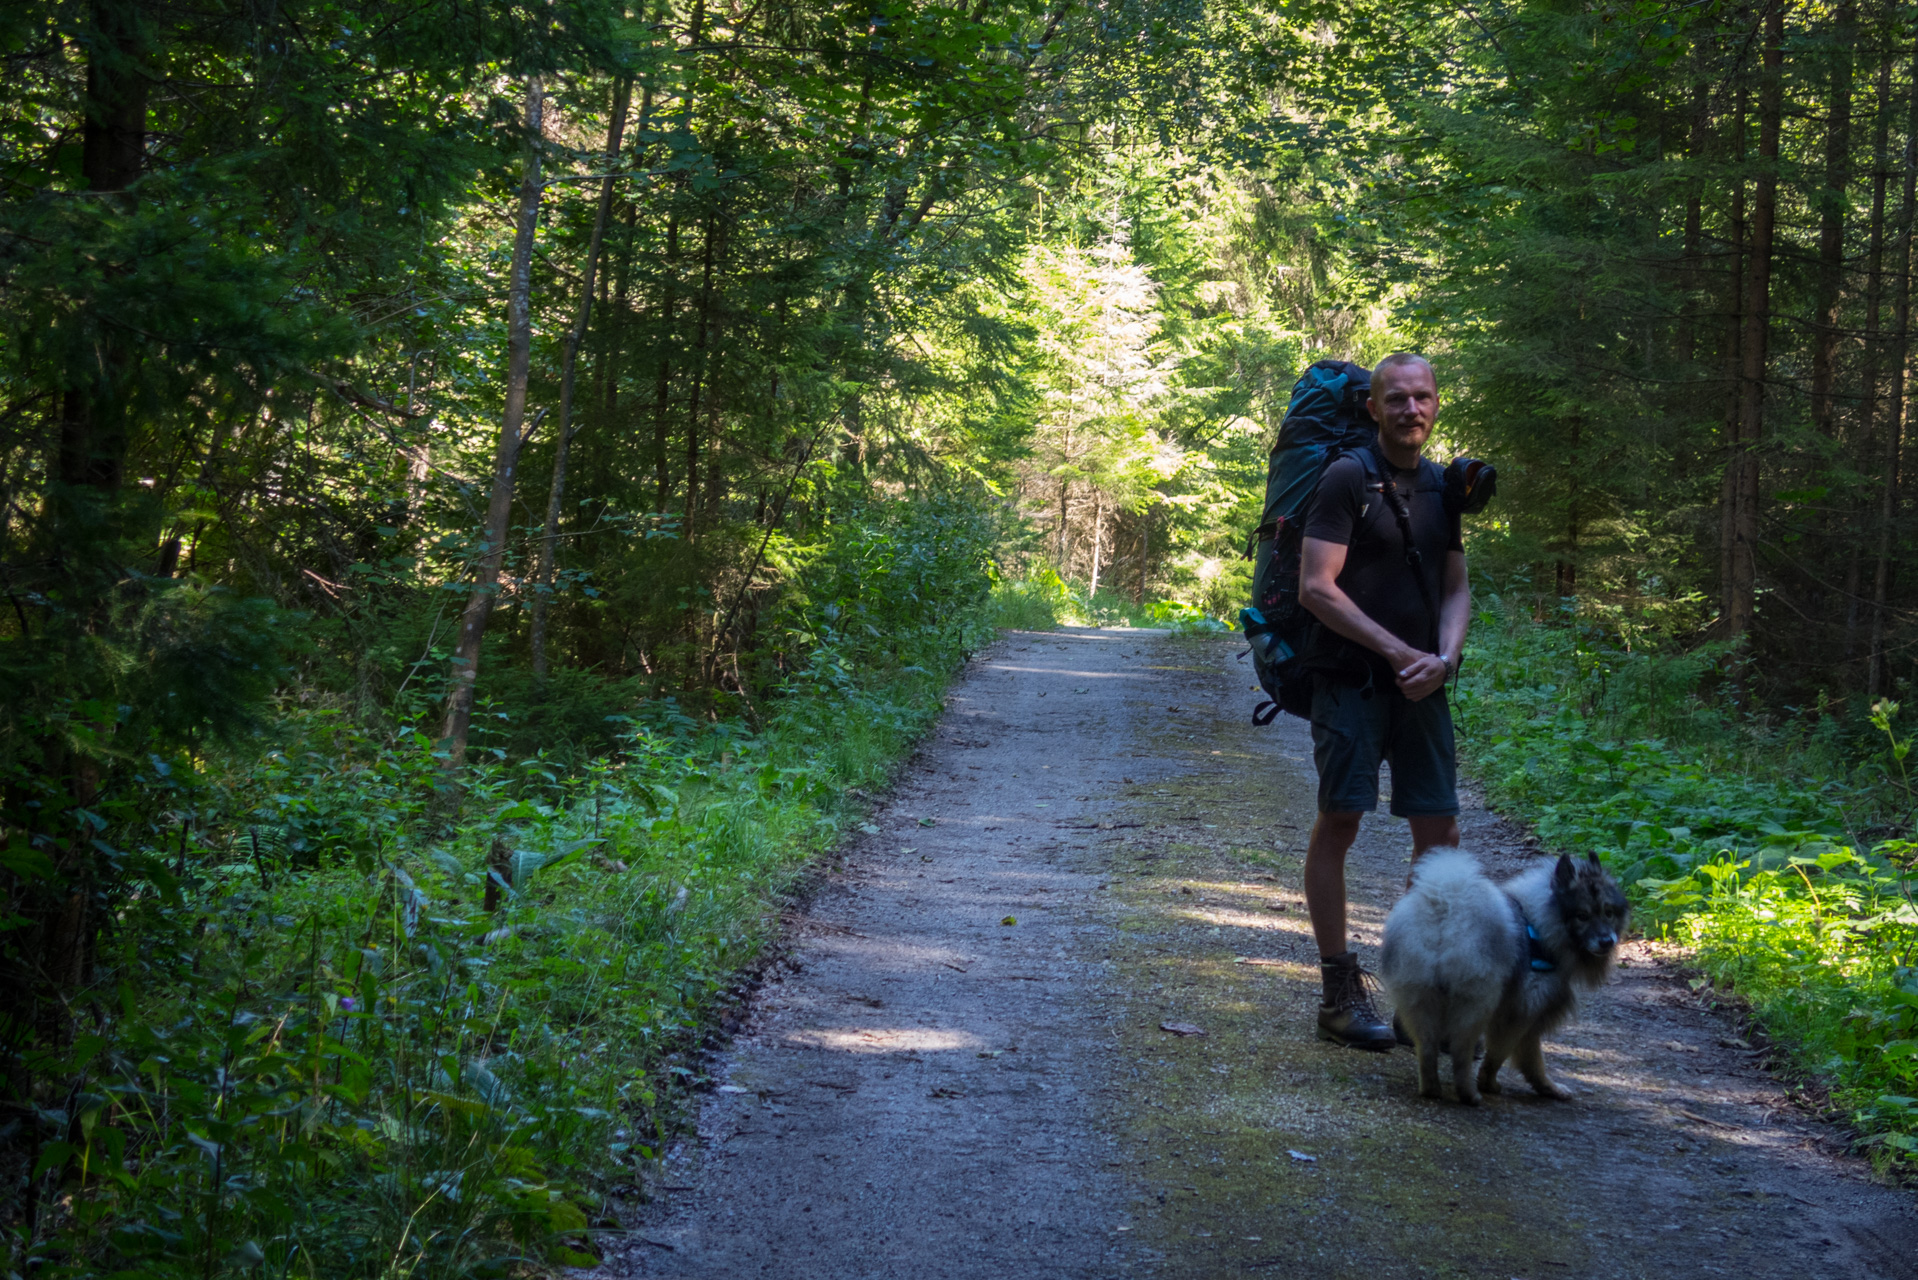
[1445,874]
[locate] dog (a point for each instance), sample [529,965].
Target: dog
[1465,959]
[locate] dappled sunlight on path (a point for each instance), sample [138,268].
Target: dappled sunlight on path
[1055,1019]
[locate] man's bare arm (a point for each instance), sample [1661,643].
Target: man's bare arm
[1419,674]
[1455,609]
[1320,564]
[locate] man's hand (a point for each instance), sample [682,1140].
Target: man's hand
[1423,676]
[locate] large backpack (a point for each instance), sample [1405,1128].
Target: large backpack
[1326,419]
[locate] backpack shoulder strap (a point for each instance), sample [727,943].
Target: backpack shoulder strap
[1318,483]
[1375,464]
[1369,460]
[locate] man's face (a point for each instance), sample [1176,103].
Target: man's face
[1405,404]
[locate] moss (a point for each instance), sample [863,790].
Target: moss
[1397,1185]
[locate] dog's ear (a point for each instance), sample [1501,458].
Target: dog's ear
[1564,873]
[1592,857]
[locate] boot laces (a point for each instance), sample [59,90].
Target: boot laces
[1356,986]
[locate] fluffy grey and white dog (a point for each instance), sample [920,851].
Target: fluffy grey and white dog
[1465,958]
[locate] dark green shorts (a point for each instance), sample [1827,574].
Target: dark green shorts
[1354,729]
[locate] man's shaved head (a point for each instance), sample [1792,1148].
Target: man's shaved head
[1404,402]
[1401,360]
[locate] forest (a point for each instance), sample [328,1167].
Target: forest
[489,491]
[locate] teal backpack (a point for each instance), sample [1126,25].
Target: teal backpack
[1326,419]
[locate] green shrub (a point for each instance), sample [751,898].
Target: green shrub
[1737,837]
[1039,601]
[315,1050]
[1042,600]
[1183,619]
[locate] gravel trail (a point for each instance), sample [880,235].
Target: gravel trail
[926,1091]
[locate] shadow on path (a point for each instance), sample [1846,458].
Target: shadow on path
[930,1092]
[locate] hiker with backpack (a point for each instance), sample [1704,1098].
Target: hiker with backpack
[1382,565]
[1360,605]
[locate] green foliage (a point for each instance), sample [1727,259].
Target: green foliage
[317,1051]
[1039,601]
[1560,204]
[181,661]
[863,282]
[1176,304]
[1749,842]
[1043,600]
[251,375]
[1825,949]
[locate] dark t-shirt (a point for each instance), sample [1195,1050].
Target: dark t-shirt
[1376,576]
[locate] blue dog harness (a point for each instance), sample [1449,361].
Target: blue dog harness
[1535,953]
[1541,963]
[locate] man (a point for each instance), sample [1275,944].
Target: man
[1356,579]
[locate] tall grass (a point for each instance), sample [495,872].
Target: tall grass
[1039,601]
[1042,600]
[1776,850]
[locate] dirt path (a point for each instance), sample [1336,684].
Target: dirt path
[929,1092]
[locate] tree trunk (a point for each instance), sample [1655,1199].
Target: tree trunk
[700,339]
[1565,571]
[1065,498]
[113,137]
[1098,535]
[1741,595]
[1694,222]
[1875,261]
[1898,354]
[618,317]
[563,429]
[1869,367]
[88,468]
[499,510]
[1145,555]
[1729,354]
[1853,613]
[614,295]
[662,392]
[712,505]
[1831,227]
[93,435]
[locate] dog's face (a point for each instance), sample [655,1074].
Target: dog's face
[1591,904]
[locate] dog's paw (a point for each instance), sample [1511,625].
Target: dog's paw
[1468,1099]
[1489,1084]
[1554,1090]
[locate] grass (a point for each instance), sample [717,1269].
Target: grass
[1042,600]
[1773,850]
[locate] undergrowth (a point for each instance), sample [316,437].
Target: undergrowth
[1042,600]
[1776,851]
[340,1034]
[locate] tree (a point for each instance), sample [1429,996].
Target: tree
[490,555]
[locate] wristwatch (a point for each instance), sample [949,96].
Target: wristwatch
[1451,668]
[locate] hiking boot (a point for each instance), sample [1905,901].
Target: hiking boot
[1346,1015]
